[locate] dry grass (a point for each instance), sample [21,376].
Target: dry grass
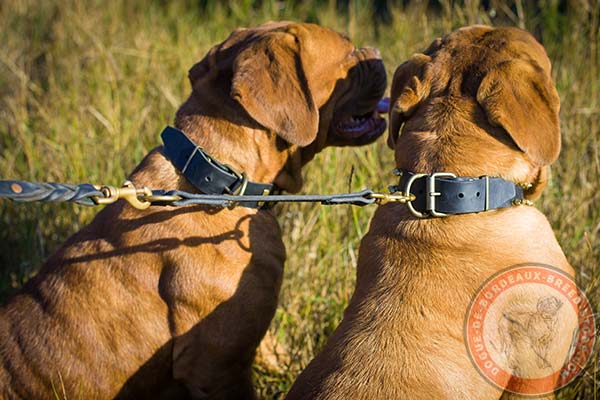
[85,88]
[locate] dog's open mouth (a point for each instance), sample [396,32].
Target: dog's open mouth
[365,127]
[358,126]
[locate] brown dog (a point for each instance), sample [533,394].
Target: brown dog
[479,101]
[145,300]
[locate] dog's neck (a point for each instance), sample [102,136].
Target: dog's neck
[236,140]
[464,144]
[229,144]
[232,138]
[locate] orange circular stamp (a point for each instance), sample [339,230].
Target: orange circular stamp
[530,330]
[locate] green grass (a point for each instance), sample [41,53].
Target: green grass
[86,87]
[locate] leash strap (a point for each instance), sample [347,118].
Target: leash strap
[207,174]
[442,194]
[142,198]
[362,198]
[49,192]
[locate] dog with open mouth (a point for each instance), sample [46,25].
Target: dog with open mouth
[474,126]
[175,301]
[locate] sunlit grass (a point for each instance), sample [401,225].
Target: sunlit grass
[86,87]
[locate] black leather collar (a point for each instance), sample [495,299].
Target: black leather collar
[208,175]
[441,194]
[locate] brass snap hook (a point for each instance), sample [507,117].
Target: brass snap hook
[399,197]
[128,192]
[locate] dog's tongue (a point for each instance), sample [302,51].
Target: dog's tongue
[383,106]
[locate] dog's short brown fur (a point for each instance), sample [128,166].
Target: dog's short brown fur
[479,101]
[140,301]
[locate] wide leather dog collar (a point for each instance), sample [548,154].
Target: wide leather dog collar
[205,173]
[441,194]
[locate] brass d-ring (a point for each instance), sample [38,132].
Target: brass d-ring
[411,180]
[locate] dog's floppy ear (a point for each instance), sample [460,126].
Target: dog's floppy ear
[199,70]
[411,84]
[207,69]
[204,70]
[269,82]
[520,97]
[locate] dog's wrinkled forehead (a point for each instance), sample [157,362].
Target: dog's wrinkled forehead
[317,42]
[485,46]
[303,31]
[318,50]
[459,60]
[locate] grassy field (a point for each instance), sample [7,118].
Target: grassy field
[87,86]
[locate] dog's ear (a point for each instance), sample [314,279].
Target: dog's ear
[411,84]
[208,69]
[270,83]
[204,70]
[520,97]
[199,70]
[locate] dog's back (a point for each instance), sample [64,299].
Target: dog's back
[462,107]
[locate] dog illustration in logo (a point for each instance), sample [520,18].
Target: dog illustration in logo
[524,329]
